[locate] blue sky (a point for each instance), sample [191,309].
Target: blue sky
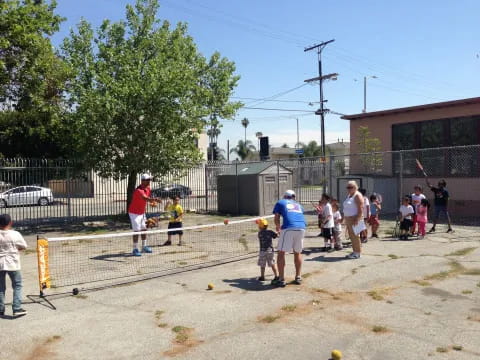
[420,51]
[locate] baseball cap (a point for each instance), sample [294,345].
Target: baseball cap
[5,219]
[263,222]
[289,193]
[146,177]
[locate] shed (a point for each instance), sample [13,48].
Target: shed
[252,189]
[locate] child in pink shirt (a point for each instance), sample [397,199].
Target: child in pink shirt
[422,217]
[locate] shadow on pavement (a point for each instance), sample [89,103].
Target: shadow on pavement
[327,259]
[249,284]
[112,257]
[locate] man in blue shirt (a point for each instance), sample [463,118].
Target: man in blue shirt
[291,232]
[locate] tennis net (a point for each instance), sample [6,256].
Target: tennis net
[101,260]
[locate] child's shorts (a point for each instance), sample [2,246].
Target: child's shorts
[406,224]
[266,258]
[327,233]
[373,220]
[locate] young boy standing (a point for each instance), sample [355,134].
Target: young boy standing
[176,217]
[406,212]
[11,242]
[266,255]
[327,223]
[441,203]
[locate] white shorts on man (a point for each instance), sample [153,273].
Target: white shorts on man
[138,222]
[291,239]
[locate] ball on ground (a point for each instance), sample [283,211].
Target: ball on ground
[75,291]
[210,286]
[226,221]
[336,355]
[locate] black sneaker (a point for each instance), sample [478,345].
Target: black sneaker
[167,243]
[279,283]
[364,240]
[324,249]
[449,230]
[432,230]
[330,249]
[20,312]
[2,313]
[261,278]
[275,280]
[298,280]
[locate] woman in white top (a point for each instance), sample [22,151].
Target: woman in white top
[353,214]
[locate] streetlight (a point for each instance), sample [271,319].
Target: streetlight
[258,135]
[365,90]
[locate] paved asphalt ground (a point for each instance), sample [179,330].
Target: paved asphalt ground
[402,300]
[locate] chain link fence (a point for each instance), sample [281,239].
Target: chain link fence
[53,191]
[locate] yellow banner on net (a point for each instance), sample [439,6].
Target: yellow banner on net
[43,270]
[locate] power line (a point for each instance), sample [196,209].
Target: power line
[275,109]
[280,101]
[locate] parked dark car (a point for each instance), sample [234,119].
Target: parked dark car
[171,191]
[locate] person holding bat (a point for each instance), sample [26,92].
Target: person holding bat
[136,213]
[441,197]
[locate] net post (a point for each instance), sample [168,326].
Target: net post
[42,262]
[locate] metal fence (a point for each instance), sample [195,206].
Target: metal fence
[79,195]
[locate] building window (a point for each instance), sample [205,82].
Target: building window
[434,134]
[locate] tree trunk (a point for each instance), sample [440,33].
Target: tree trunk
[132,181]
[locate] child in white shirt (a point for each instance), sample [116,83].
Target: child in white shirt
[337,229]
[406,215]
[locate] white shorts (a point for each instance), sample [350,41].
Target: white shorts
[138,222]
[291,239]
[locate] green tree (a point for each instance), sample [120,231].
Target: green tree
[32,80]
[142,94]
[312,149]
[244,149]
[369,147]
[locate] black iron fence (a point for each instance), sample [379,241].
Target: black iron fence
[48,191]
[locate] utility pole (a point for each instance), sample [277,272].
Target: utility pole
[365,91]
[297,145]
[321,111]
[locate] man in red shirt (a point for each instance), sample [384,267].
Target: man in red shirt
[136,212]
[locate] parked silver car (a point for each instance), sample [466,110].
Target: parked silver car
[26,195]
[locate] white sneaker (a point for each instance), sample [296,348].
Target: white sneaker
[353,255]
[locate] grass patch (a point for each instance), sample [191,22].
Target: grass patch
[158,314]
[478,285]
[474,271]
[457,347]
[422,282]
[393,256]
[85,241]
[306,275]
[182,263]
[53,338]
[289,308]
[376,295]
[455,269]
[270,319]
[81,296]
[467,292]
[379,329]
[462,252]
[442,349]
[162,325]
[182,334]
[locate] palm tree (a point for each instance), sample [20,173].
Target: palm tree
[245,123]
[243,149]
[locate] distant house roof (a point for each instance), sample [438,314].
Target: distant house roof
[439,105]
[252,168]
[282,151]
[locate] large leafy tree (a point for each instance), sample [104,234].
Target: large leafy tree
[243,149]
[369,148]
[142,93]
[32,79]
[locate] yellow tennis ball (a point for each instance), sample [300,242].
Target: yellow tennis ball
[336,355]
[210,286]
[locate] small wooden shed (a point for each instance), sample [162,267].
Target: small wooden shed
[252,189]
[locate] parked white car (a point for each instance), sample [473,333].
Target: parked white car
[26,195]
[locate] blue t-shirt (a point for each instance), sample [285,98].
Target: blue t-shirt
[291,212]
[373,209]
